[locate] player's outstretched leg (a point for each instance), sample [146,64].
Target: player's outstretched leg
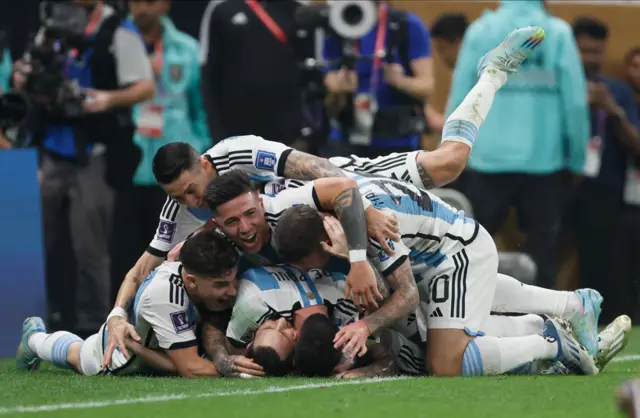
[581,308]
[463,124]
[57,348]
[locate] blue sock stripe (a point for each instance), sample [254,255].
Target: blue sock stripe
[460,128]
[472,360]
[60,348]
[524,369]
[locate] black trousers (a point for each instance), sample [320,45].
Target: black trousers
[135,222]
[539,202]
[626,265]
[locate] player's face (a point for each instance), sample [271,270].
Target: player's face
[216,293]
[188,189]
[279,335]
[592,53]
[633,73]
[243,221]
[146,13]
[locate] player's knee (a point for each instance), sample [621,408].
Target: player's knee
[445,351]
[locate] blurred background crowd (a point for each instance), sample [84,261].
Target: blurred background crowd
[554,173]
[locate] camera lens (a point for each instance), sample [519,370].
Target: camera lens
[352,14]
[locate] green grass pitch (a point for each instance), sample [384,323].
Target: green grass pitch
[56,393]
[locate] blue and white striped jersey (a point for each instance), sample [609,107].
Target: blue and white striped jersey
[277,292]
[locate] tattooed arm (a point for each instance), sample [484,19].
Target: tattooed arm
[383,365]
[443,165]
[403,300]
[342,195]
[303,166]
[218,349]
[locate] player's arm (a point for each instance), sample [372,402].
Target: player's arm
[302,166]
[190,365]
[443,165]
[383,364]
[159,361]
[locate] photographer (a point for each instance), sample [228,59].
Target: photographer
[377,105]
[86,138]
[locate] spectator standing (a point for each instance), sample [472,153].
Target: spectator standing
[176,113]
[74,164]
[522,162]
[250,74]
[6,67]
[370,103]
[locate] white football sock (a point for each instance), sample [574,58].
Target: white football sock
[489,356]
[463,123]
[53,347]
[514,296]
[512,326]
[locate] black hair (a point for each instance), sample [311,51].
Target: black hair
[298,233]
[268,358]
[593,28]
[227,187]
[314,352]
[450,26]
[172,160]
[208,254]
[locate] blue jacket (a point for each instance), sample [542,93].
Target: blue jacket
[539,121]
[6,66]
[178,92]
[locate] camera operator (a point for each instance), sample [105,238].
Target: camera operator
[377,105]
[81,149]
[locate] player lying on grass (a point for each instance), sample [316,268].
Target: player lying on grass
[164,315]
[296,244]
[184,174]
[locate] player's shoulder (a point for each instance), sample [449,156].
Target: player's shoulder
[164,285]
[261,278]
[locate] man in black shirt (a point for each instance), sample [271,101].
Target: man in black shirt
[250,76]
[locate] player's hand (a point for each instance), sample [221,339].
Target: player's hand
[361,282]
[118,329]
[244,365]
[337,244]
[97,101]
[382,226]
[353,339]
[175,252]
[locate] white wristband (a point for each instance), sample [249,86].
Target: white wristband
[355,256]
[117,311]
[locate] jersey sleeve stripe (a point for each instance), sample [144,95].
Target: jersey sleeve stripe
[378,169]
[394,266]
[175,210]
[282,162]
[183,344]
[156,252]
[316,200]
[166,206]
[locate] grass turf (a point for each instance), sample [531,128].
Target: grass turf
[498,397]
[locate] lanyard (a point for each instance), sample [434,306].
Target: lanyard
[95,18]
[158,54]
[379,48]
[271,24]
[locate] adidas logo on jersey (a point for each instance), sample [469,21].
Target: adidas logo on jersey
[436,314]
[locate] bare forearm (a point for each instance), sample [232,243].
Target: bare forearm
[134,278]
[403,301]
[158,361]
[215,344]
[137,93]
[628,133]
[303,166]
[443,165]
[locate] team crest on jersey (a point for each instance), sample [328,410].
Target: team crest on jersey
[180,322]
[266,160]
[166,229]
[176,72]
[382,255]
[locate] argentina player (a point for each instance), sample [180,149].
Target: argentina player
[163,314]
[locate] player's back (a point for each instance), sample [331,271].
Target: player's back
[279,291]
